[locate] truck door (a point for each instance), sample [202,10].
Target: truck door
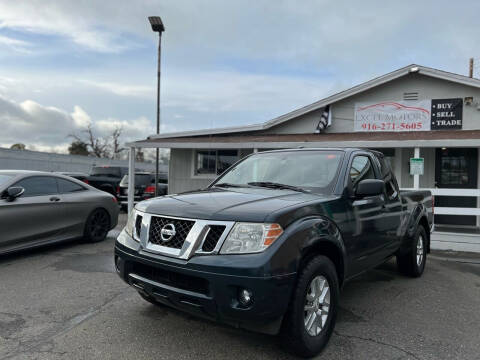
[393,212]
[369,227]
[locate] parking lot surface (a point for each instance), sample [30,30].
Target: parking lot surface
[66,302]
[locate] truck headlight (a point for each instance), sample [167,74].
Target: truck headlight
[130,226]
[250,238]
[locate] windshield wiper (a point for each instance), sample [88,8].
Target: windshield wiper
[229,185]
[274,185]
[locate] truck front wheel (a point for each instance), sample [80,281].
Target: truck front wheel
[413,262]
[310,319]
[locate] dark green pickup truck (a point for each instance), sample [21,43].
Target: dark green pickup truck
[269,244]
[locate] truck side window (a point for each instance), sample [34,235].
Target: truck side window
[361,169]
[390,185]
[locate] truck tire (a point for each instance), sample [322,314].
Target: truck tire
[310,318]
[413,262]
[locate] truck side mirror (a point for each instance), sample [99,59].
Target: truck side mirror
[370,187]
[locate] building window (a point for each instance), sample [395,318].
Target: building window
[214,162]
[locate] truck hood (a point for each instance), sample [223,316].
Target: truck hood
[234,204]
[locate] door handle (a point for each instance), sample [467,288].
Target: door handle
[54,198]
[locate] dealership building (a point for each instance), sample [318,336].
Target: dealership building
[426,122]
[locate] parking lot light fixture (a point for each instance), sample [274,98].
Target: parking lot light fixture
[157,26]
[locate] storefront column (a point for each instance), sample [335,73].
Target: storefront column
[416,178]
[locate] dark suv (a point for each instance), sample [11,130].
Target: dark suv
[144,187]
[107,178]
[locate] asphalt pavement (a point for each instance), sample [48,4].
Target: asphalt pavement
[66,302]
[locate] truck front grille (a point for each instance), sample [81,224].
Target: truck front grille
[212,237]
[182,228]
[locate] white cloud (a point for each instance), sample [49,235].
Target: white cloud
[80,117]
[123,89]
[47,128]
[231,91]
[15,44]
[134,129]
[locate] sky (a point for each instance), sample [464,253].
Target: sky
[68,64]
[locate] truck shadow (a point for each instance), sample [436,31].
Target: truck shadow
[370,284]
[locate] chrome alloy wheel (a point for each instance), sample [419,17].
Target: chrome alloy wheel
[317,305]
[420,250]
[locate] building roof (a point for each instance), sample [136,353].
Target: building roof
[447,138]
[413,68]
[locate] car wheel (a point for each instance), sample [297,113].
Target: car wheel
[97,226]
[413,262]
[149,299]
[310,319]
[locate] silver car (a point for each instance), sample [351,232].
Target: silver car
[40,207]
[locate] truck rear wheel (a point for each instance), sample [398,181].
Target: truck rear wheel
[310,319]
[413,262]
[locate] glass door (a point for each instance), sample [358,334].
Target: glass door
[456,168]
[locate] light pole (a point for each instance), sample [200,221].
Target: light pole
[157,26]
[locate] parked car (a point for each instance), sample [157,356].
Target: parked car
[107,178]
[76,175]
[269,244]
[37,208]
[144,187]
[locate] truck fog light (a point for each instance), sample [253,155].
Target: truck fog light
[245,297]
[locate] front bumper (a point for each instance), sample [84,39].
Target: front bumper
[207,286]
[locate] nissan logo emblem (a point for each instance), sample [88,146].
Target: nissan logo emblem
[168,232]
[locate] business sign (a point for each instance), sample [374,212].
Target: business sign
[447,114]
[416,166]
[419,115]
[393,116]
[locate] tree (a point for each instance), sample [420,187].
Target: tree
[18,146]
[97,146]
[139,155]
[116,148]
[78,147]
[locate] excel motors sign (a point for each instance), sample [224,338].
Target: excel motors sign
[420,115]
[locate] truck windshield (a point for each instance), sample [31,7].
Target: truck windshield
[309,170]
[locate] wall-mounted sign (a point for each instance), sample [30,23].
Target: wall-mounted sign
[418,115]
[447,114]
[393,116]
[416,166]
